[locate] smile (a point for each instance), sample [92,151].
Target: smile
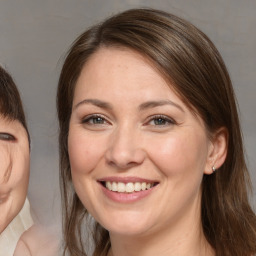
[129,187]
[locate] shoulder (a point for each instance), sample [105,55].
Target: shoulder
[37,240]
[22,249]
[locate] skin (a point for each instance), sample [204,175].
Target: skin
[14,169]
[38,241]
[128,138]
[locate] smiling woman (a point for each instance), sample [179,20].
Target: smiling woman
[150,142]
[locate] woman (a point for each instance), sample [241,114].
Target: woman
[15,215]
[150,142]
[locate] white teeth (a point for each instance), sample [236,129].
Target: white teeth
[114,186]
[120,187]
[129,187]
[137,186]
[108,185]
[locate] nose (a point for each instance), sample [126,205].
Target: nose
[125,149]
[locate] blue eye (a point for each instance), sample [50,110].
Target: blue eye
[6,136]
[160,120]
[94,120]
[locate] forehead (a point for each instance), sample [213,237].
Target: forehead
[120,69]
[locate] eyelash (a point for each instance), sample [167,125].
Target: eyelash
[6,137]
[167,120]
[88,119]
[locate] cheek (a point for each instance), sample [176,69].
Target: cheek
[20,172]
[14,168]
[84,152]
[180,153]
[5,166]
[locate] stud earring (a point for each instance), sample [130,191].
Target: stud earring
[213,169]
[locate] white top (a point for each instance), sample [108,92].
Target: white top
[12,233]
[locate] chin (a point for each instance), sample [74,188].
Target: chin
[127,225]
[127,231]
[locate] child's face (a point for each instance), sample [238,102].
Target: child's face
[14,169]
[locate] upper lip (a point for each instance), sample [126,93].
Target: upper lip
[132,179]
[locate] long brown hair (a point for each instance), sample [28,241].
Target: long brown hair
[188,59]
[10,102]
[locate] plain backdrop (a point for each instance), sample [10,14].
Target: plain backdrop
[35,35]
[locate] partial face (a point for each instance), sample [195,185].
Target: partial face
[137,153]
[14,169]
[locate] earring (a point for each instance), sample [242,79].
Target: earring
[213,169]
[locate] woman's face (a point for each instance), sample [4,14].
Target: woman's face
[137,153]
[14,169]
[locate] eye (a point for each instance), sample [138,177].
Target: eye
[95,120]
[6,136]
[160,120]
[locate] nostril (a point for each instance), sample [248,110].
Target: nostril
[125,158]
[122,165]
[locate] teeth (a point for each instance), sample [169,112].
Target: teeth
[108,185]
[129,187]
[120,187]
[137,186]
[114,186]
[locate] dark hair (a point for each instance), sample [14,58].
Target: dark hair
[10,101]
[190,62]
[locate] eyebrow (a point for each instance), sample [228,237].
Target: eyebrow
[154,104]
[95,102]
[143,106]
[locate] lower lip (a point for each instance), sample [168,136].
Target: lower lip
[127,197]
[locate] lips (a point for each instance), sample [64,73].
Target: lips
[127,189]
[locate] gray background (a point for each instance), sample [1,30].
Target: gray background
[34,36]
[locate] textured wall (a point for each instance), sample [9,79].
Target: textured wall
[34,35]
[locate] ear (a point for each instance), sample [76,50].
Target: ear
[217,150]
